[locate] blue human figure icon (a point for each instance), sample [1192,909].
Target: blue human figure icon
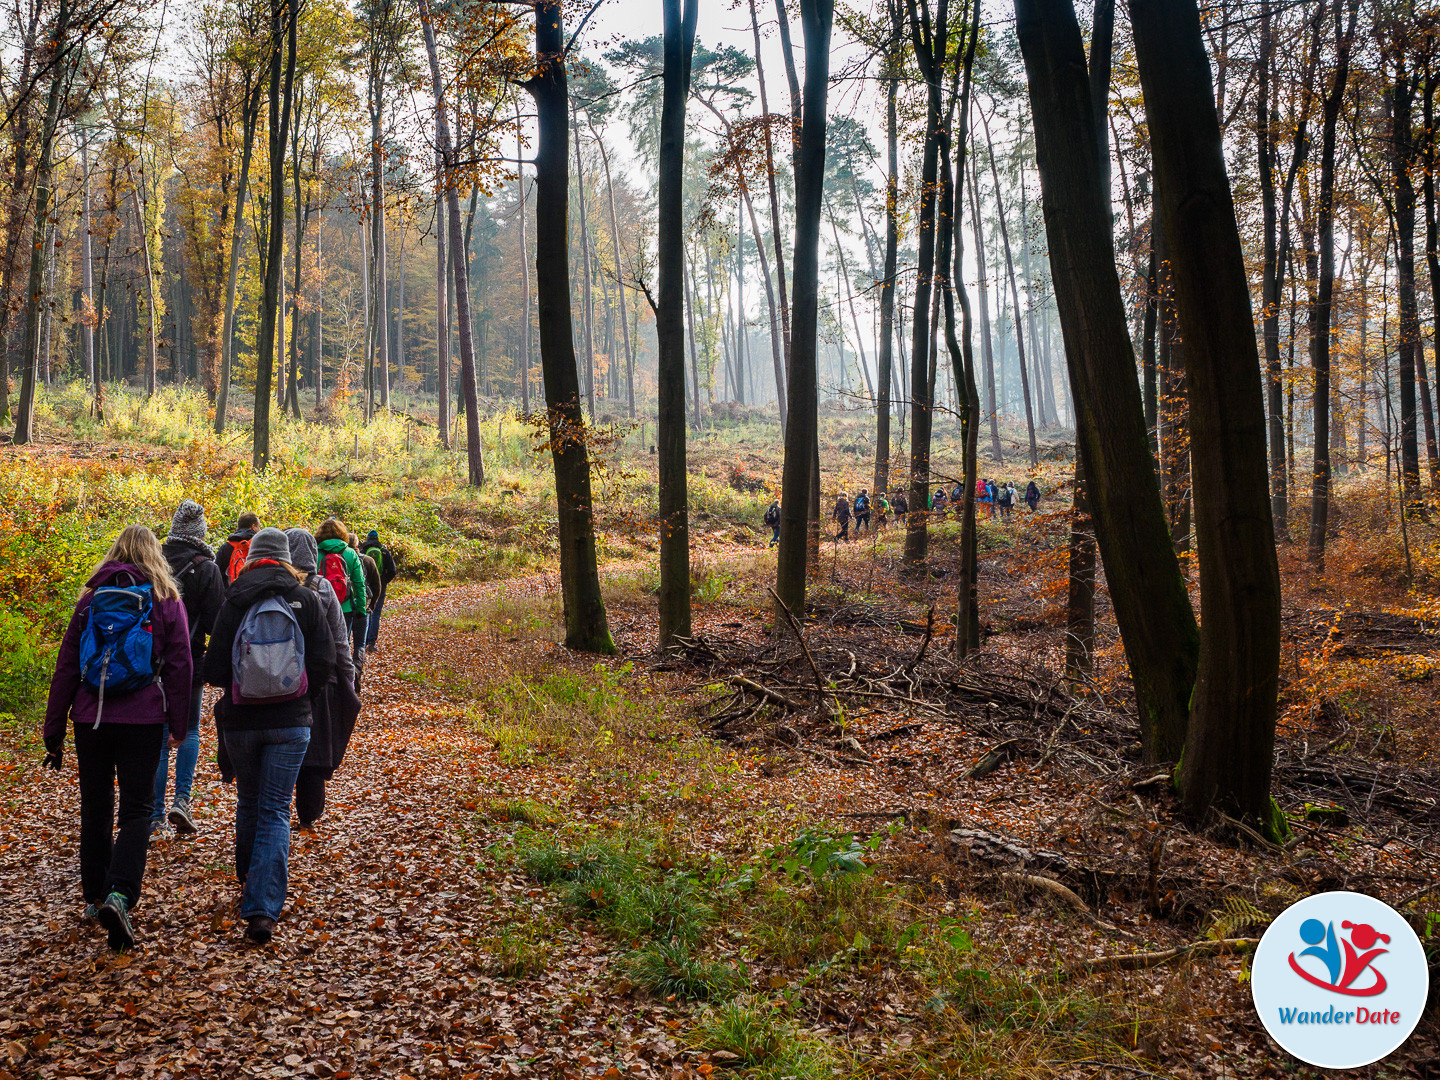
[1313,932]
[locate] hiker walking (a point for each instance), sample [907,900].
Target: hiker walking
[983,497]
[270,653]
[230,556]
[333,711]
[1032,496]
[385,561]
[902,506]
[123,675]
[939,502]
[202,589]
[772,519]
[340,565]
[882,505]
[841,516]
[1007,501]
[862,512]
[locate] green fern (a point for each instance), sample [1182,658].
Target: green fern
[1235,915]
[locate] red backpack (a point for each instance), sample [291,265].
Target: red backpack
[239,549]
[336,574]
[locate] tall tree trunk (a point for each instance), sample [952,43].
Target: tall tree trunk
[1402,153]
[283,22]
[1152,606]
[588,310]
[1325,291]
[249,121]
[586,627]
[930,46]
[798,486]
[317,342]
[1014,298]
[455,257]
[34,290]
[619,276]
[986,340]
[525,285]
[690,329]
[152,322]
[770,170]
[679,45]
[886,362]
[1230,742]
[442,307]
[87,273]
[1080,606]
[380,306]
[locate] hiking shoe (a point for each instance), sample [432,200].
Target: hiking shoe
[92,913]
[114,915]
[181,819]
[261,929]
[157,827]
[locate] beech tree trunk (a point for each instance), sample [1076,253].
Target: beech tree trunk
[1152,606]
[249,121]
[586,627]
[1230,743]
[884,375]
[674,597]
[799,487]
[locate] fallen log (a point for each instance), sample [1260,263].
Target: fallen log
[1051,887]
[1142,961]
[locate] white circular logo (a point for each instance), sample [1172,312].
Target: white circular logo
[1339,980]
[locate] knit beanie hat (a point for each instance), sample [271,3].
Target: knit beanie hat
[269,543]
[189,521]
[372,538]
[304,552]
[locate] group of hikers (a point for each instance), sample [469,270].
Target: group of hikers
[281,621]
[989,495]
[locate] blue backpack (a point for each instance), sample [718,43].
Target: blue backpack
[267,659]
[118,644]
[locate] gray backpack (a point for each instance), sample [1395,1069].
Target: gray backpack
[267,659]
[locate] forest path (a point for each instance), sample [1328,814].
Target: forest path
[377,969]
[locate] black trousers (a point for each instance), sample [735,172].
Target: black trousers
[310,795]
[126,755]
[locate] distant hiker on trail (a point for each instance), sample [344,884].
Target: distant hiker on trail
[1007,501]
[380,554]
[1032,495]
[340,564]
[372,592]
[202,588]
[123,675]
[246,526]
[940,502]
[994,490]
[271,652]
[957,495]
[882,504]
[333,711]
[772,519]
[862,511]
[983,497]
[902,506]
[841,515]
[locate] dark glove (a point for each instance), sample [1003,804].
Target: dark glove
[54,751]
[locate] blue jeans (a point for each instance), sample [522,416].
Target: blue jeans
[266,764]
[186,755]
[372,627]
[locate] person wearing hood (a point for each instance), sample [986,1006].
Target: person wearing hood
[334,539]
[202,589]
[265,712]
[334,712]
[373,549]
[236,545]
[123,676]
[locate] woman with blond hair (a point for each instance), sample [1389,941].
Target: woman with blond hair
[123,674]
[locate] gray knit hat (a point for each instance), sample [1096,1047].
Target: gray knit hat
[189,521]
[304,552]
[268,543]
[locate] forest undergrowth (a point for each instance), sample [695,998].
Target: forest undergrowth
[851,856]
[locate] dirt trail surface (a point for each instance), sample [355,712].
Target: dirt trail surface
[377,969]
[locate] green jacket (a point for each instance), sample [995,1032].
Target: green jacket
[355,601]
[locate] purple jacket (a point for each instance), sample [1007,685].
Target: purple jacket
[166,699]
